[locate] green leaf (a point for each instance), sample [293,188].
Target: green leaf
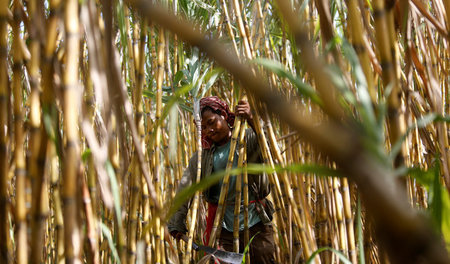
[424,177]
[107,233]
[211,76]
[252,168]
[178,76]
[439,199]
[445,224]
[366,109]
[115,191]
[341,256]
[359,233]
[85,155]
[277,68]
[247,247]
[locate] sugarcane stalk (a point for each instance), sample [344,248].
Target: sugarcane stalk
[321,220]
[135,180]
[38,139]
[48,106]
[307,238]
[19,154]
[282,182]
[238,192]
[168,182]
[133,208]
[146,207]
[386,42]
[158,135]
[357,39]
[275,149]
[246,27]
[91,222]
[58,222]
[338,208]
[275,185]
[195,202]
[349,220]
[139,60]
[72,152]
[267,50]
[145,211]
[131,51]
[89,184]
[261,138]
[114,153]
[247,47]
[245,200]
[306,233]
[5,251]
[229,27]
[295,181]
[175,41]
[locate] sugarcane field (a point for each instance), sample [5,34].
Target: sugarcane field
[224,131]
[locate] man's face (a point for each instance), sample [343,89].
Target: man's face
[215,127]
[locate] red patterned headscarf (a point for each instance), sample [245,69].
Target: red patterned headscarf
[221,108]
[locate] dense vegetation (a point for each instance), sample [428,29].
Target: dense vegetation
[98,120]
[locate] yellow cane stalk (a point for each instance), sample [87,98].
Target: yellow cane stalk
[71,164]
[357,38]
[246,199]
[159,245]
[387,49]
[261,137]
[5,251]
[195,202]
[237,201]
[349,220]
[19,157]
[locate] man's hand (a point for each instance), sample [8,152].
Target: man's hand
[176,234]
[243,109]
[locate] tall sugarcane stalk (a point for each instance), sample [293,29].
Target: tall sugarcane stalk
[349,222]
[261,138]
[136,63]
[89,185]
[56,226]
[283,180]
[195,202]
[273,144]
[339,217]
[229,27]
[91,220]
[245,198]
[5,251]
[19,155]
[134,183]
[357,38]
[159,245]
[388,52]
[238,192]
[139,53]
[38,139]
[71,164]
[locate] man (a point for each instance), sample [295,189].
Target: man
[217,126]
